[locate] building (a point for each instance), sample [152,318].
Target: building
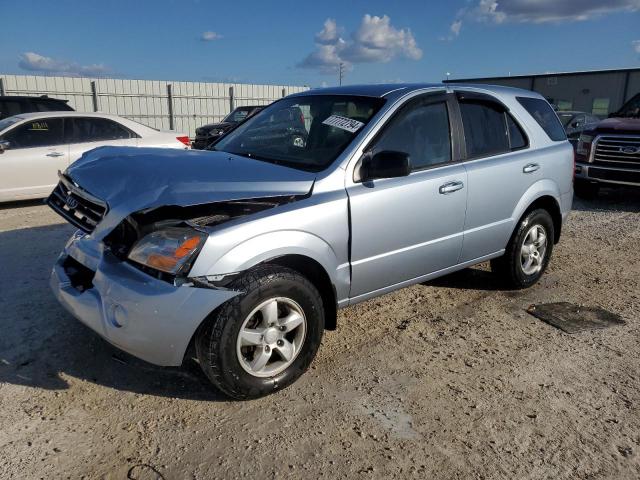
[599,91]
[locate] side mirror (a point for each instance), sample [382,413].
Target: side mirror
[385,164]
[4,145]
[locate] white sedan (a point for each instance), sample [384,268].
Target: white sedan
[34,146]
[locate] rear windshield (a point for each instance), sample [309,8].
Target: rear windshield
[542,112]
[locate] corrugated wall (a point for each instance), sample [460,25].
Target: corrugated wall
[147,101]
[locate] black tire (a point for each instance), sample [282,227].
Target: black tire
[216,339]
[585,189]
[509,267]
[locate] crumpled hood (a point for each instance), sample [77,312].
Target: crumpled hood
[131,179]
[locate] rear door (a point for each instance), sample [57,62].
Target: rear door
[499,169]
[29,168]
[87,133]
[404,228]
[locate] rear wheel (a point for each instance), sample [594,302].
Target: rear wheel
[585,189]
[265,338]
[528,251]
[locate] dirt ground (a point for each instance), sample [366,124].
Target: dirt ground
[450,379]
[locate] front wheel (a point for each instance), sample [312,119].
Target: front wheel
[265,338]
[528,251]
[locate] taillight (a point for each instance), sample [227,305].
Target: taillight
[184,140]
[302,118]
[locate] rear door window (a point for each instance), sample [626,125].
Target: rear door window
[489,129]
[542,113]
[36,133]
[82,130]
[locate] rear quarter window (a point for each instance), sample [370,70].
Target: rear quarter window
[542,113]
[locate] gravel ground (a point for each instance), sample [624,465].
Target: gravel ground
[450,379]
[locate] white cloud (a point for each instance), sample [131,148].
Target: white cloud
[210,36]
[636,46]
[541,11]
[375,40]
[329,34]
[39,63]
[455,28]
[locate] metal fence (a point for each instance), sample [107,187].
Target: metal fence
[180,106]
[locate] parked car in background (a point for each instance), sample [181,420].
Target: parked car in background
[609,153]
[15,105]
[575,123]
[35,146]
[248,250]
[207,134]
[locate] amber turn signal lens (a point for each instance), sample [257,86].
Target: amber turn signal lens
[187,247]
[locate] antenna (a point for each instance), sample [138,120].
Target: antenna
[341,72]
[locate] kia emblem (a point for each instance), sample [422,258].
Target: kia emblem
[71,202]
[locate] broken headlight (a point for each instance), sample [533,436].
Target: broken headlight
[169,249]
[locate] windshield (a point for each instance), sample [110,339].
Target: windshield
[238,115]
[630,109]
[565,118]
[7,122]
[307,132]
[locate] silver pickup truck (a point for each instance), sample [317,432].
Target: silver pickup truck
[324,199]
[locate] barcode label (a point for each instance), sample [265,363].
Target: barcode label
[343,123]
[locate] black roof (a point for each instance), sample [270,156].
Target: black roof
[42,98]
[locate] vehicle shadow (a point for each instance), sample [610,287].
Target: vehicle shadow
[620,199]
[43,346]
[472,278]
[21,204]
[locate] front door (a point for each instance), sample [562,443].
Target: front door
[29,167]
[404,228]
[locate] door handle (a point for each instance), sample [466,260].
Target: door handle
[450,187]
[55,154]
[530,168]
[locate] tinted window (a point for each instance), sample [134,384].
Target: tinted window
[485,128]
[517,138]
[10,107]
[81,130]
[542,112]
[422,130]
[51,106]
[36,133]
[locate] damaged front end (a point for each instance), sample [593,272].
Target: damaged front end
[133,286]
[165,241]
[125,273]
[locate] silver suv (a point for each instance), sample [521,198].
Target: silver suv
[246,252]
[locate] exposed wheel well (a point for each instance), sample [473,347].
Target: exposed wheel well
[317,275]
[549,204]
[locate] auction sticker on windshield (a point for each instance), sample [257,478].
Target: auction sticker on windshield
[343,123]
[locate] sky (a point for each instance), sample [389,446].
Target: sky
[305,43]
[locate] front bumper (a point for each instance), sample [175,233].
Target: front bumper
[148,318]
[602,174]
